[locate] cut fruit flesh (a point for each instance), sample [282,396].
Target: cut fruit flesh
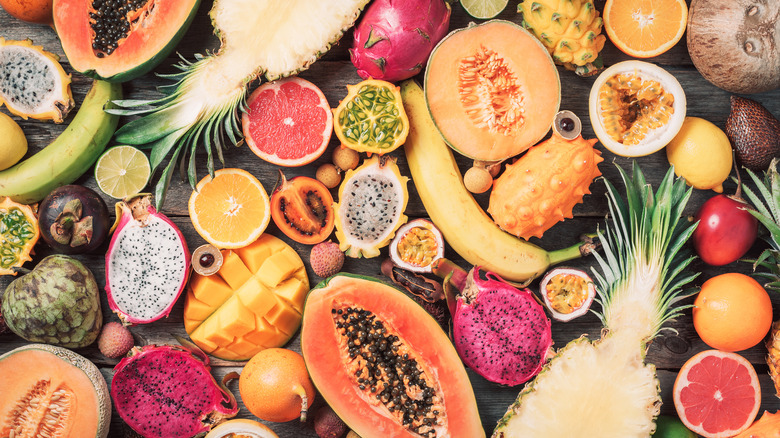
[122,171]
[645,28]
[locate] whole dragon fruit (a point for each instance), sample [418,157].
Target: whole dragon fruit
[147,263]
[168,392]
[499,331]
[395,37]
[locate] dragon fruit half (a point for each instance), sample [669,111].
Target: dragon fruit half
[168,392]
[395,37]
[499,331]
[147,263]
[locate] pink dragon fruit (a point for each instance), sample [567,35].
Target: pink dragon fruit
[147,263]
[395,37]
[499,331]
[168,392]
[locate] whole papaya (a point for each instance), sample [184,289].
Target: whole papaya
[56,303]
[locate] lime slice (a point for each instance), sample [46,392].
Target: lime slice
[484,9]
[122,171]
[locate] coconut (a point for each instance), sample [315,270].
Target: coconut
[734,43]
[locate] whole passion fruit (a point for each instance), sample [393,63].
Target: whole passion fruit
[73,220]
[416,245]
[567,293]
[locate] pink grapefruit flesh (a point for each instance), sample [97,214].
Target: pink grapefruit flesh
[717,394]
[288,122]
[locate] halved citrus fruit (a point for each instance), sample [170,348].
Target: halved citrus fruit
[717,394]
[645,28]
[122,171]
[231,210]
[287,122]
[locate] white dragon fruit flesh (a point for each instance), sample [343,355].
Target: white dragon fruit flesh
[395,37]
[168,392]
[499,331]
[147,263]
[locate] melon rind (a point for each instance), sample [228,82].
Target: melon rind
[93,374]
[657,138]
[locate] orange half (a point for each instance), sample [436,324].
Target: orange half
[645,28]
[231,210]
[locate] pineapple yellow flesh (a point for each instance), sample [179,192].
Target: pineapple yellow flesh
[602,389]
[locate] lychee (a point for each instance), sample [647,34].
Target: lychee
[328,425]
[115,340]
[326,259]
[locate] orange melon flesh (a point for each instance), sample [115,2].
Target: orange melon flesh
[531,68]
[21,371]
[325,353]
[253,302]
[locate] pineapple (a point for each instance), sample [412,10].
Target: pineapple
[570,29]
[603,388]
[259,37]
[767,211]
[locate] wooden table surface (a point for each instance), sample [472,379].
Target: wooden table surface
[331,73]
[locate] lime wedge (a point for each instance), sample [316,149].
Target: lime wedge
[122,171]
[484,9]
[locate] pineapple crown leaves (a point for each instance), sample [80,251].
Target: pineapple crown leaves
[168,126]
[644,259]
[767,211]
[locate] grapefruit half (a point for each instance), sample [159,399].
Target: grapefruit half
[717,394]
[287,122]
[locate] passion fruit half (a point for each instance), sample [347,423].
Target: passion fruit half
[636,108]
[567,293]
[416,245]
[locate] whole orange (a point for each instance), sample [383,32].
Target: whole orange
[733,312]
[275,385]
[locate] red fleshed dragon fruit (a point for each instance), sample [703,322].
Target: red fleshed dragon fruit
[395,37]
[168,392]
[499,331]
[147,263]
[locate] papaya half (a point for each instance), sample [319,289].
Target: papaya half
[383,363]
[121,40]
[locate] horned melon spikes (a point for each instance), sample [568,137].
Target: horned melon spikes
[569,29]
[542,187]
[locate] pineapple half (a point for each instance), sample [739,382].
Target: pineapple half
[269,38]
[603,388]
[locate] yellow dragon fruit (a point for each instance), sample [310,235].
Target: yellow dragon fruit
[542,187]
[570,29]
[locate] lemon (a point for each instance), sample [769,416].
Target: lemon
[701,153]
[122,171]
[13,143]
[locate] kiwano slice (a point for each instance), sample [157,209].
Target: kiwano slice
[51,391]
[383,363]
[18,235]
[253,302]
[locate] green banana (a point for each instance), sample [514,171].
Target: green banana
[465,226]
[70,155]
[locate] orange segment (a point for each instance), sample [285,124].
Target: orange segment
[645,28]
[231,210]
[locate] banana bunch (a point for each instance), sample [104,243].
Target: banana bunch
[465,226]
[70,155]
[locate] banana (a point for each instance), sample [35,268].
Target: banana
[70,155]
[465,226]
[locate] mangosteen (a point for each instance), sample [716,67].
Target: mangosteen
[73,219]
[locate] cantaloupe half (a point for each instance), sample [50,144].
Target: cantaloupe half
[492,90]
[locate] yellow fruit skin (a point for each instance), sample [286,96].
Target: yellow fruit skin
[465,226]
[701,153]
[13,143]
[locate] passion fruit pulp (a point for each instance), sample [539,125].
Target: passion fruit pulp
[567,293]
[416,245]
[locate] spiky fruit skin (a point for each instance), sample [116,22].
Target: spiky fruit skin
[326,259]
[193,403]
[115,340]
[500,332]
[394,38]
[328,425]
[754,132]
[773,358]
[571,32]
[543,186]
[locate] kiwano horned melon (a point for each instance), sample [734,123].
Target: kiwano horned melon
[542,187]
[253,302]
[492,90]
[49,391]
[383,363]
[120,40]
